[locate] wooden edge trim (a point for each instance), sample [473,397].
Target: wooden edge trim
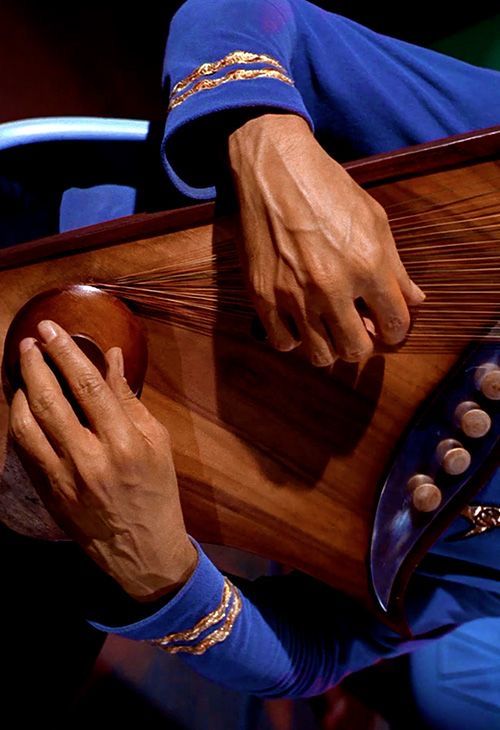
[100,235]
[440,154]
[409,161]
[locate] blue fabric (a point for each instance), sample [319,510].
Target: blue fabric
[295,637]
[482,550]
[51,186]
[456,680]
[86,206]
[361,92]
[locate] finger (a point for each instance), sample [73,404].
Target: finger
[275,325]
[133,407]
[316,339]
[317,342]
[47,402]
[390,312]
[100,405]
[25,430]
[412,293]
[352,341]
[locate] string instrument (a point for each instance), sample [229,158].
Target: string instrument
[347,473]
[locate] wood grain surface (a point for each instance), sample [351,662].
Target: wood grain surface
[273,455]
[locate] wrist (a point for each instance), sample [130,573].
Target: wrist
[277,126]
[265,140]
[167,577]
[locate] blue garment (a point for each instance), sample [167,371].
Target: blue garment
[362,93]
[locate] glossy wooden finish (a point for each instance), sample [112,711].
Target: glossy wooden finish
[273,456]
[95,319]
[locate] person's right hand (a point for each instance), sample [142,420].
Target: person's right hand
[313,243]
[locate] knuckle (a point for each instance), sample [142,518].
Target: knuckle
[63,486]
[18,427]
[157,434]
[262,296]
[378,211]
[125,447]
[42,402]
[163,432]
[89,385]
[395,327]
[126,394]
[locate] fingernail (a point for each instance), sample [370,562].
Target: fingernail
[321,361]
[26,344]
[369,325]
[418,291]
[287,346]
[47,330]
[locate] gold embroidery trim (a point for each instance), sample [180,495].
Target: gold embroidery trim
[236,57]
[482,518]
[237,75]
[205,623]
[217,636]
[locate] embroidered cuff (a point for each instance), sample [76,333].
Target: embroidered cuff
[260,80]
[199,616]
[216,626]
[194,83]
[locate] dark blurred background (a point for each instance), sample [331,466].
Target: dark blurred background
[105,58]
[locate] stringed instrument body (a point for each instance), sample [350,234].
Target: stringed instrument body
[274,456]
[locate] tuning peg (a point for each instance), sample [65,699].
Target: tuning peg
[487,379]
[472,419]
[453,457]
[425,495]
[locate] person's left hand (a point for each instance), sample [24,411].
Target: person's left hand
[112,487]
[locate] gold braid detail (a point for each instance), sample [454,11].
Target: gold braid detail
[483,517]
[236,57]
[239,74]
[205,623]
[217,636]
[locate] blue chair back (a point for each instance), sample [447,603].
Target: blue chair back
[59,173]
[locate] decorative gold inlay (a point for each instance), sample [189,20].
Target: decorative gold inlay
[217,636]
[205,623]
[231,599]
[482,518]
[235,57]
[237,75]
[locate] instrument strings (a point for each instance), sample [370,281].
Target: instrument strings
[450,249]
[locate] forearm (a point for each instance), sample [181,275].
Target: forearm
[290,636]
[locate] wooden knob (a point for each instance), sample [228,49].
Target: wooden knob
[95,319]
[487,379]
[452,456]
[471,418]
[426,496]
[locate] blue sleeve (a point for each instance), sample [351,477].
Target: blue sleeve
[290,635]
[360,91]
